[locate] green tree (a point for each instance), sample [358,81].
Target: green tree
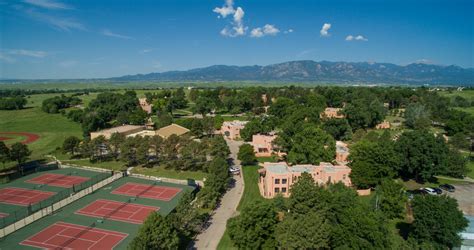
[372,162]
[390,199]
[311,145]
[308,231]
[339,129]
[19,152]
[437,220]
[254,227]
[115,141]
[246,154]
[157,232]
[4,153]
[422,155]
[417,116]
[71,144]
[460,141]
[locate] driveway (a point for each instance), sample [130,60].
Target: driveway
[209,239]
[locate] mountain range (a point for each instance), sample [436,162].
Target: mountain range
[323,71]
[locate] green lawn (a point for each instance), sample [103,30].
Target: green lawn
[170,173]
[267,159]
[110,165]
[251,194]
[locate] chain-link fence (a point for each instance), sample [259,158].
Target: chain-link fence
[63,194]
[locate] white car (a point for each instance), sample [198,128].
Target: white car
[430,191]
[234,170]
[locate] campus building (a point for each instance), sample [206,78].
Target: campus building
[383,125]
[133,130]
[332,113]
[277,178]
[263,145]
[342,152]
[231,130]
[124,129]
[145,105]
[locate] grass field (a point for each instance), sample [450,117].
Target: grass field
[68,215]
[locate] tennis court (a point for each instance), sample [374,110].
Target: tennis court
[58,180]
[147,191]
[63,235]
[22,196]
[101,211]
[120,211]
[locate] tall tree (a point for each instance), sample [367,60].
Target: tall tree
[4,153]
[19,152]
[311,145]
[254,227]
[246,154]
[157,232]
[391,199]
[71,144]
[417,116]
[437,220]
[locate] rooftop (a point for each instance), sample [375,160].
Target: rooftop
[235,123]
[169,130]
[120,129]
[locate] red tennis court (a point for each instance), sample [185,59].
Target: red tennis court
[63,235]
[147,191]
[3,215]
[58,180]
[22,197]
[115,210]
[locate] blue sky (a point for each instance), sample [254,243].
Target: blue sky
[93,38]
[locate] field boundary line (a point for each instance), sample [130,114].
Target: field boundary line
[165,179]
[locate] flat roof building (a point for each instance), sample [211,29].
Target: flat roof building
[277,178]
[124,129]
[332,113]
[173,129]
[231,130]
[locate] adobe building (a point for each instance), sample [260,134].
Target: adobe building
[145,105]
[277,178]
[231,130]
[342,152]
[332,113]
[263,145]
[173,129]
[133,130]
[383,125]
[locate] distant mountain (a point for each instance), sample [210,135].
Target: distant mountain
[324,71]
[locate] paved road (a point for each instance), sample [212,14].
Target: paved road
[209,239]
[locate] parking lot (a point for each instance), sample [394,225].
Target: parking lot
[464,194]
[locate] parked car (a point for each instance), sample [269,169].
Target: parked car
[430,191]
[234,170]
[437,190]
[411,193]
[447,187]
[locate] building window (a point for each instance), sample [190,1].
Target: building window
[277,190]
[283,190]
[277,181]
[344,177]
[283,181]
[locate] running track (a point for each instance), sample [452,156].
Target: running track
[63,235]
[22,196]
[147,191]
[120,211]
[58,180]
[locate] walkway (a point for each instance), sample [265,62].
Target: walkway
[209,239]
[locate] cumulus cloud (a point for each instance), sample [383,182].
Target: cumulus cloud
[107,32]
[267,30]
[227,9]
[325,29]
[48,4]
[356,38]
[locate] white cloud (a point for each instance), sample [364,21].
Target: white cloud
[356,38]
[288,31]
[6,58]
[55,22]
[107,32]
[325,29]
[239,15]
[48,4]
[30,53]
[267,30]
[227,9]
[144,51]
[68,64]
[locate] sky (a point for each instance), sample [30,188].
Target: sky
[59,39]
